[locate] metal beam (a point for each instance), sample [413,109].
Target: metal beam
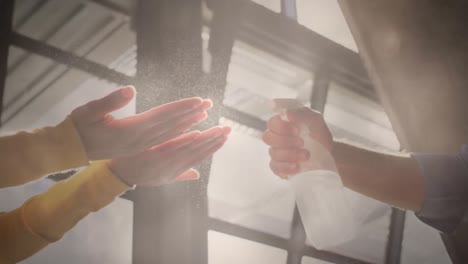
[169,221]
[395,236]
[67,58]
[297,242]
[6,21]
[248,233]
[277,242]
[111,5]
[48,34]
[289,9]
[50,69]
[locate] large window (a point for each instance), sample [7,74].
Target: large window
[252,216]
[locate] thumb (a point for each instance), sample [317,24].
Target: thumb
[111,102]
[189,175]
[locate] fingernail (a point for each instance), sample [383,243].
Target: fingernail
[198,104]
[209,102]
[128,92]
[227,130]
[202,116]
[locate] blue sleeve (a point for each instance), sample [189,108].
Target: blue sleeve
[445,189]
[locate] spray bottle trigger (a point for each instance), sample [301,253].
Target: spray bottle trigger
[282,105]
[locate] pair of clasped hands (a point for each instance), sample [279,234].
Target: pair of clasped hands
[155,147]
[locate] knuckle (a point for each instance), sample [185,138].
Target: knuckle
[266,137]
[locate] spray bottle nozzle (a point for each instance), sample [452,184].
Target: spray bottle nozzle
[282,105]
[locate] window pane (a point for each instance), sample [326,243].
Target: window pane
[309,260]
[274,5]
[227,249]
[98,34]
[432,251]
[325,17]
[371,241]
[355,117]
[39,84]
[242,189]
[255,77]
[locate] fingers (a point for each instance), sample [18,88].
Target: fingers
[280,127]
[208,135]
[203,151]
[177,143]
[155,119]
[185,123]
[189,175]
[184,154]
[115,100]
[305,116]
[180,105]
[204,146]
[191,140]
[318,129]
[157,134]
[289,155]
[201,146]
[181,113]
[278,141]
[187,151]
[284,169]
[170,112]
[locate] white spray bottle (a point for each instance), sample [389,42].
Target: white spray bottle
[327,215]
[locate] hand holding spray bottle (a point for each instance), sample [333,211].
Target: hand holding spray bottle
[326,213]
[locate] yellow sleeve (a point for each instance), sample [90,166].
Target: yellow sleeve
[45,218]
[28,156]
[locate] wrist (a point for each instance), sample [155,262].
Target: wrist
[114,168]
[343,161]
[334,151]
[79,131]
